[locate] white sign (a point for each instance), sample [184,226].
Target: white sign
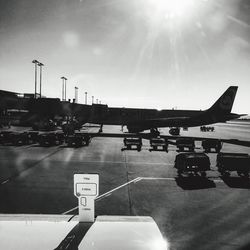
[86,185]
[86,189]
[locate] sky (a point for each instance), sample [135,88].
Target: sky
[129,53]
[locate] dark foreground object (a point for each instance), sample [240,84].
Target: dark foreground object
[192,163]
[229,162]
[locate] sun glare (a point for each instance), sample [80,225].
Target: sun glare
[172,8]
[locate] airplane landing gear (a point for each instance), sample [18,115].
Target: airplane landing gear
[154,132]
[100,129]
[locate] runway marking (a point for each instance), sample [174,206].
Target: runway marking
[107,193]
[29,167]
[158,178]
[127,183]
[123,185]
[173,179]
[123,162]
[2,183]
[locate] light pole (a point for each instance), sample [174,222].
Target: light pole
[63,78]
[76,94]
[86,97]
[40,64]
[96,101]
[35,62]
[92,99]
[65,88]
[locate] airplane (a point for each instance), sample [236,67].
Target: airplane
[42,110]
[138,120]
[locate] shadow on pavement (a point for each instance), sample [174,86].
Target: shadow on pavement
[237,182]
[74,237]
[194,182]
[245,247]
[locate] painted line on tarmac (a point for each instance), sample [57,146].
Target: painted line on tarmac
[158,178]
[127,183]
[123,185]
[4,182]
[122,162]
[173,179]
[29,167]
[107,193]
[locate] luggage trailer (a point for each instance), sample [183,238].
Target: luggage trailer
[192,164]
[230,162]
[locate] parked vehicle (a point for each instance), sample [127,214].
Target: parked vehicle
[158,143]
[78,140]
[211,143]
[192,163]
[229,162]
[129,143]
[185,143]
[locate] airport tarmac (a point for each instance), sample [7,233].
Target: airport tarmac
[191,213]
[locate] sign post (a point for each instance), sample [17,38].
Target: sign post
[86,189]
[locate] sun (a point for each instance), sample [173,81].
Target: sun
[172,8]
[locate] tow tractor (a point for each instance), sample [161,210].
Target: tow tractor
[157,143]
[129,143]
[229,162]
[192,163]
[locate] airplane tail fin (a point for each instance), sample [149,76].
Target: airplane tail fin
[225,103]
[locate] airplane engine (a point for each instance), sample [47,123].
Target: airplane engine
[135,129]
[174,131]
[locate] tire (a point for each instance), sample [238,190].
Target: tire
[239,173]
[179,172]
[203,174]
[246,174]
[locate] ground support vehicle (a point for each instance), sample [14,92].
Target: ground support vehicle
[50,139]
[229,162]
[206,129]
[211,143]
[192,163]
[20,138]
[129,143]
[157,143]
[78,140]
[5,137]
[185,143]
[33,136]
